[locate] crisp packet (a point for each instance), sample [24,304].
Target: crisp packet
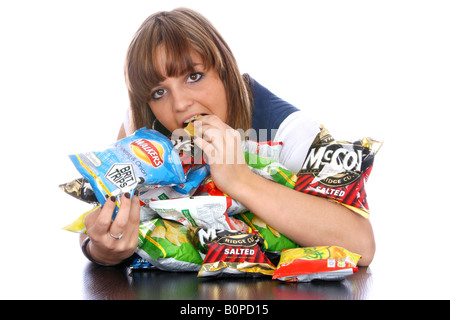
[311,263]
[138,263]
[194,178]
[266,149]
[274,241]
[262,158]
[168,246]
[78,225]
[80,189]
[143,158]
[338,170]
[200,211]
[208,187]
[235,254]
[155,193]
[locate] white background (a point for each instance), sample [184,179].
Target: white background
[362,68]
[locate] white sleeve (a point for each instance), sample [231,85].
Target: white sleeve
[296,132]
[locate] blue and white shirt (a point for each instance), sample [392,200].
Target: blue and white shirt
[285,123]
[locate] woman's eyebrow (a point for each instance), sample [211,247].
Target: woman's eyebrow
[189,68]
[184,71]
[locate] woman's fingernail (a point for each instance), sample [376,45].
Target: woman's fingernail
[136,193]
[113,198]
[127,195]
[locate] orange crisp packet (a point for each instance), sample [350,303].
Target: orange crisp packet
[310,263]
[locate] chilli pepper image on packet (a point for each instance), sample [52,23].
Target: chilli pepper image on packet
[329,263]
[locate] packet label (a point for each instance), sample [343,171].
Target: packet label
[234,253]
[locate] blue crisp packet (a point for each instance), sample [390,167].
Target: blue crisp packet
[193,179]
[139,263]
[144,158]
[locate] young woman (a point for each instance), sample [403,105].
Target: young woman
[177,67]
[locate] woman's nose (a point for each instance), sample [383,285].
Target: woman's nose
[182,100]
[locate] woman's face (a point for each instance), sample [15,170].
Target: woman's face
[177,99]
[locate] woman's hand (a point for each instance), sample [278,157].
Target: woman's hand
[113,242]
[222,150]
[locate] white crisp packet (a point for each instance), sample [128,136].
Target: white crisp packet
[199,211]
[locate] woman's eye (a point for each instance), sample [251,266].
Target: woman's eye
[194,77]
[157,94]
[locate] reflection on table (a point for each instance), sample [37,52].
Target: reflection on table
[118,283]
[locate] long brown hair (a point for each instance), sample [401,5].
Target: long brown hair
[180,32]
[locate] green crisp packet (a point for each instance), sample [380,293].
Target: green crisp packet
[273,240]
[263,157]
[168,246]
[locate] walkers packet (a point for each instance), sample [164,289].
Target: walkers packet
[143,158]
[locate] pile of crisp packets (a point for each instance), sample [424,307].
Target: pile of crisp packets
[188,224]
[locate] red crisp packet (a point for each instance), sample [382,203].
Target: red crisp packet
[235,254]
[330,263]
[338,170]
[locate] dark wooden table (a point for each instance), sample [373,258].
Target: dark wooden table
[45,268]
[118,283]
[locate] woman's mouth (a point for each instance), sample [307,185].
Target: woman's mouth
[189,126]
[191,119]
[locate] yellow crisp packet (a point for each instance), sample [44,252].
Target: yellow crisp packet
[310,263]
[78,224]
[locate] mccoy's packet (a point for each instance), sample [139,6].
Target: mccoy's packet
[144,158]
[168,246]
[234,254]
[311,263]
[338,170]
